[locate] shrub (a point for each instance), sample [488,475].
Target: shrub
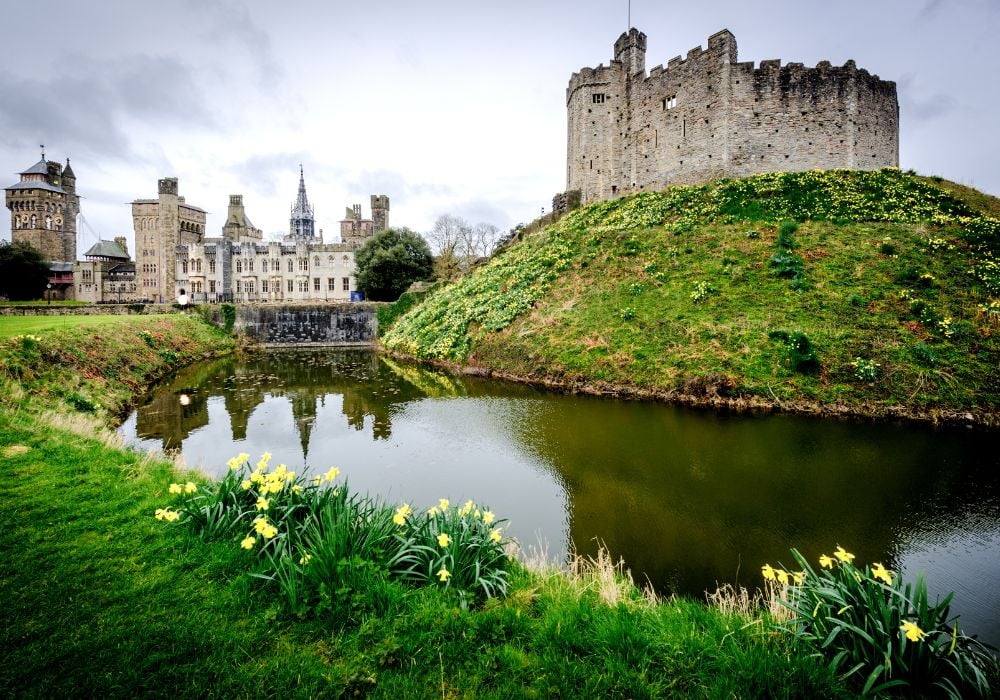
[800,355]
[865,370]
[887,247]
[228,317]
[879,633]
[786,235]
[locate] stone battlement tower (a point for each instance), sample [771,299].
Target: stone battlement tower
[43,209]
[707,116]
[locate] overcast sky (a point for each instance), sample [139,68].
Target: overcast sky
[447,107]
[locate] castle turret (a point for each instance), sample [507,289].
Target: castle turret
[630,50]
[380,212]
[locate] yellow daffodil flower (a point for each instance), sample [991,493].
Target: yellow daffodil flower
[317,480]
[269,531]
[175,488]
[259,524]
[306,558]
[799,577]
[495,534]
[190,487]
[768,572]
[297,488]
[248,542]
[279,473]
[488,517]
[264,459]
[433,511]
[843,555]
[826,562]
[289,476]
[912,631]
[399,519]
[332,473]
[444,574]
[246,484]
[782,576]
[263,503]
[477,514]
[161,513]
[443,503]
[443,540]
[880,572]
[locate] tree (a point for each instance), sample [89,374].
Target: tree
[390,262]
[23,271]
[458,245]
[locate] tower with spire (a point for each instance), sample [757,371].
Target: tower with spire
[302,223]
[43,208]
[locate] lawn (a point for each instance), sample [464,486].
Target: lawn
[11,326]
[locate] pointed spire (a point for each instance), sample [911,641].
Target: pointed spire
[68,171]
[302,222]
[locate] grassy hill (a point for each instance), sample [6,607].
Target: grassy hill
[872,293]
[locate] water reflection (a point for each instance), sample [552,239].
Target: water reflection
[687,498]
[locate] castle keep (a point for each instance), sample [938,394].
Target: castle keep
[708,116]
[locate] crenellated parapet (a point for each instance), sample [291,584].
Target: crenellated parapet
[706,115]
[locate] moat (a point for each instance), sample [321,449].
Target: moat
[687,498]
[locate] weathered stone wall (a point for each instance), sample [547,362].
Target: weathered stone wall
[95,310]
[707,116]
[308,324]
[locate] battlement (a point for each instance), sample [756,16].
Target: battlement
[168,185]
[705,115]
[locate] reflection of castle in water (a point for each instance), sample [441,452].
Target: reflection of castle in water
[369,386]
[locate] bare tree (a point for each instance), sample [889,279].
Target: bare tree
[457,244]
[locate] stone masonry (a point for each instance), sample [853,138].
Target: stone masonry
[708,116]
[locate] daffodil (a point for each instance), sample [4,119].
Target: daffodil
[782,576]
[190,487]
[495,534]
[433,511]
[444,574]
[826,562]
[175,488]
[306,558]
[912,631]
[246,484]
[799,577]
[443,503]
[488,517]
[317,480]
[443,539]
[297,488]
[269,531]
[248,542]
[259,523]
[264,459]
[843,555]
[768,572]
[161,513]
[332,473]
[263,503]
[880,572]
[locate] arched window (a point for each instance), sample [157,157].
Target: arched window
[239,266]
[291,265]
[17,221]
[275,265]
[316,261]
[48,222]
[34,221]
[184,266]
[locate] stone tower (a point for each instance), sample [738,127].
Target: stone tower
[43,208]
[238,227]
[302,223]
[380,212]
[708,116]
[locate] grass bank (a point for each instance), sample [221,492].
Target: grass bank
[831,292]
[102,599]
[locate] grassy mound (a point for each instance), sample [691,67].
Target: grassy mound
[871,292]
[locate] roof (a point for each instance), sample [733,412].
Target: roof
[39,168]
[60,267]
[35,186]
[68,171]
[106,249]
[122,269]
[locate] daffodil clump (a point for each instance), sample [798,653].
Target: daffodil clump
[313,538]
[458,547]
[877,631]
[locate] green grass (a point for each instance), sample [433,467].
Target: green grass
[45,302]
[686,293]
[19,325]
[101,599]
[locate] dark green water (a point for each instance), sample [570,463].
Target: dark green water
[688,498]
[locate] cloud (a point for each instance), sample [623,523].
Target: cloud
[269,174]
[395,184]
[926,107]
[87,108]
[231,22]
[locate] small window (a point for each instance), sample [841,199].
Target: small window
[347,284]
[315,284]
[598,98]
[291,288]
[331,284]
[669,102]
[291,268]
[263,286]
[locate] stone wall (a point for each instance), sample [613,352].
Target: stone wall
[308,324]
[707,116]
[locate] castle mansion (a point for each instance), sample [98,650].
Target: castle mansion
[708,116]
